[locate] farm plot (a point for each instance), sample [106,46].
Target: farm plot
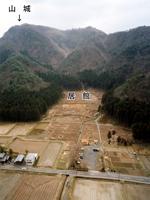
[145,160]
[66,132]
[37,187]
[5,128]
[90,132]
[7,183]
[22,129]
[124,162]
[73,108]
[85,189]
[136,192]
[4,140]
[37,134]
[66,119]
[50,154]
[42,126]
[34,146]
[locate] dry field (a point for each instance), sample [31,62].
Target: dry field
[37,134]
[5,128]
[21,145]
[4,140]
[85,189]
[21,129]
[50,155]
[123,161]
[66,156]
[65,132]
[41,126]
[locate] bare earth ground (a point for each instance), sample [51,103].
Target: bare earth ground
[85,189]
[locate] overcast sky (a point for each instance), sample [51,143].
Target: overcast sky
[107,15]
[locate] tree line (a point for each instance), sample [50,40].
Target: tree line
[131,112]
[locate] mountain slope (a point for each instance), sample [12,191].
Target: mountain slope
[48,45]
[25,39]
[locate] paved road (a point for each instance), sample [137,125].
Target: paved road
[89,174]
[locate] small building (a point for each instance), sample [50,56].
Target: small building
[4,158]
[31,158]
[19,159]
[2,155]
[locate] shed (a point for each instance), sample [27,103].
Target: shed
[31,158]
[19,159]
[2,155]
[5,158]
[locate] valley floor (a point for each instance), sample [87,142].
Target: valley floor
[73,136]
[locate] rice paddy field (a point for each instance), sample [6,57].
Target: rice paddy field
[85,189]
[30,187]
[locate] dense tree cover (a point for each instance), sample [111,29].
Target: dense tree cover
[64,81]
[131,112]
[21,104]
[24,96]
[89,78]
[4,54]
[141,131]
[107,79]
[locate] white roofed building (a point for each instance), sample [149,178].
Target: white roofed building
[31,158]
[19,159]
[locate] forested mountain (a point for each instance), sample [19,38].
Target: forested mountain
[36,60]
[48,45]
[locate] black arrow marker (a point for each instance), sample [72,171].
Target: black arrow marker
[19,18]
